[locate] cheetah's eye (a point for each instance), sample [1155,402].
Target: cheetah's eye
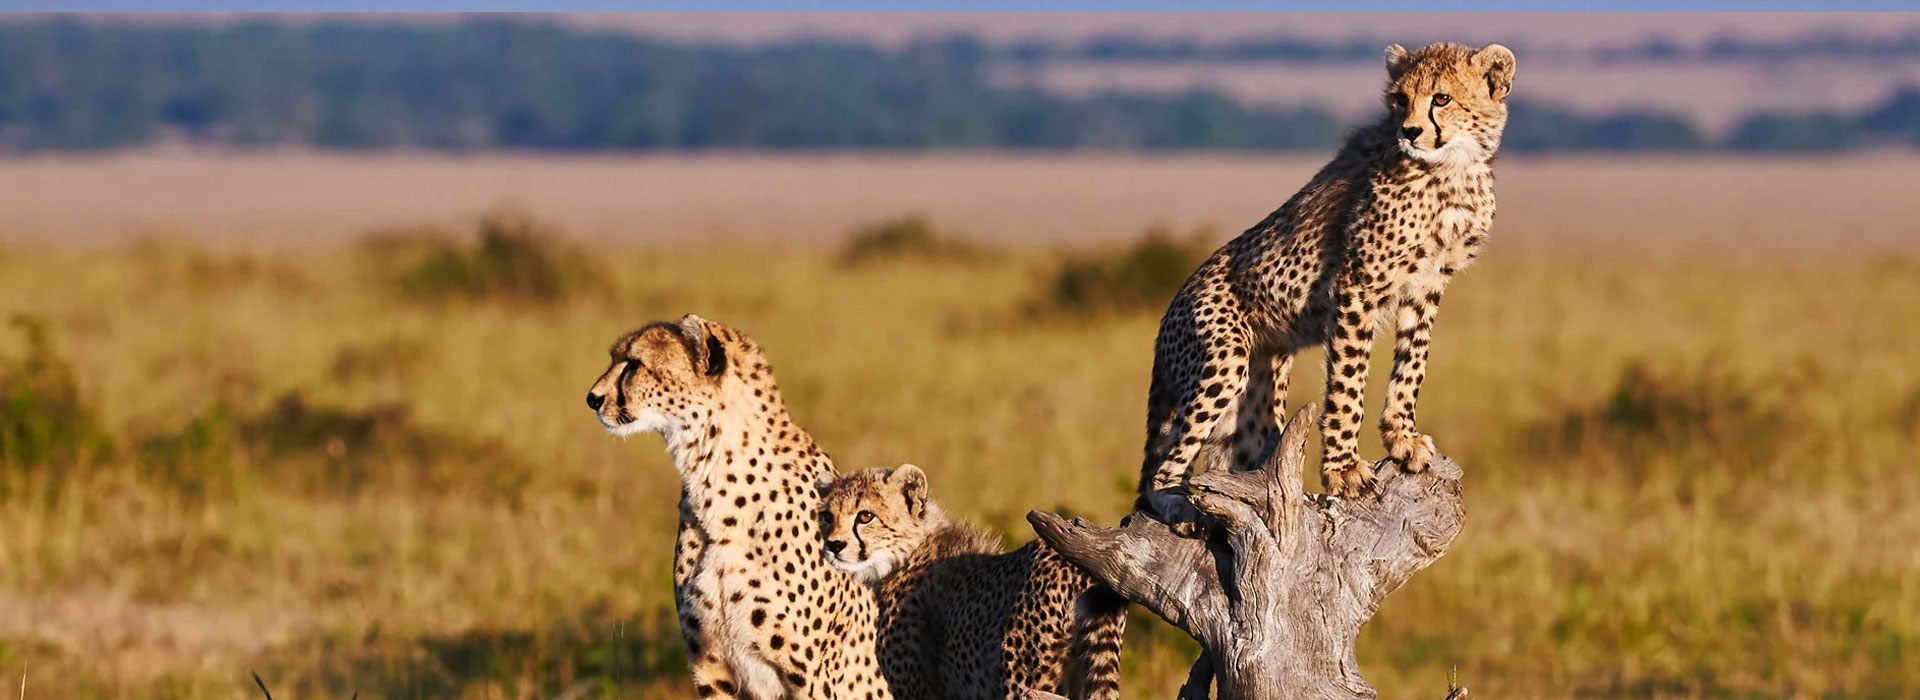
[1442,100]
[865,516]
[1400,99]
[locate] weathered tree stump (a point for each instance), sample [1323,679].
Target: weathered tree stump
[1276,598]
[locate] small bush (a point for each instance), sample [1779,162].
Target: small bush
[44,422]
[905,237]
[198,460]
[301,446]
[511,258]
[331,448]
[1143,276]
[1651,412]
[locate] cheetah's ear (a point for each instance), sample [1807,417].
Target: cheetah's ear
[912,484]
[1497,63]
[1396,60]
[824,482]
[708,354]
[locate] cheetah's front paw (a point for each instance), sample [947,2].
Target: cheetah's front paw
[1347,478]
[1410,449]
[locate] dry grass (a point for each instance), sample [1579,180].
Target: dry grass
[1688,476]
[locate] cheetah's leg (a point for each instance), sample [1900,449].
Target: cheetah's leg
[1348,342]
[1200,370]
[1405,444]
[1282,367]
[688,543]
[909,648]
[712,677]
[1255,418]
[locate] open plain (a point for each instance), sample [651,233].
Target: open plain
[320,416]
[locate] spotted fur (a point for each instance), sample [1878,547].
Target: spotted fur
[762,615]
[960,620]
[1380,230]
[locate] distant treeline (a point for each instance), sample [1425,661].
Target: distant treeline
[490,83]
[1656,49]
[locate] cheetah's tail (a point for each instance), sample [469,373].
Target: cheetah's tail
[1093,657]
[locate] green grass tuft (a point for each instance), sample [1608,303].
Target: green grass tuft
[44,421]
[1141,277]
[911,237]
[510,257]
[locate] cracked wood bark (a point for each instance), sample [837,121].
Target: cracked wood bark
[1277,596]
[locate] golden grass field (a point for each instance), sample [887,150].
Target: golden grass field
[363,463]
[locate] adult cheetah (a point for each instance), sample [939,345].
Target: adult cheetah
[1404,205]
[960,619]
[763,616]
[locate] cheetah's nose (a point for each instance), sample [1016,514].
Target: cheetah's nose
[834,546]
[1411,132]
[594,400]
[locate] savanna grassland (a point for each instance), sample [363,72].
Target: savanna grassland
[364,463]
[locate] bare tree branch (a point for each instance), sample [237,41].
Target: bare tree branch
[1277,598]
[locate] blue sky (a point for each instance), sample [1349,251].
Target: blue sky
[951,5]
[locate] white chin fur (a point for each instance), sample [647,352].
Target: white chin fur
[1459,151]
[649,422]
[867,571]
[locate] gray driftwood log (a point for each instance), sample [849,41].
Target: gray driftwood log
[1277,597]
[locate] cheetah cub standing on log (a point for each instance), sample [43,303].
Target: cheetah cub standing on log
[960,620]
[1404,205]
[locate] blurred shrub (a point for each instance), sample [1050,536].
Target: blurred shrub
[298,445]
[912,236]
[338,449]
[1141,277]
[1650,412]
[197,460]
[44,422]
[511,257]
[46,427]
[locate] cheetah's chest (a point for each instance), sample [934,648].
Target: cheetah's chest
[1460,210]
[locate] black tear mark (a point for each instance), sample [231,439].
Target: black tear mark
[716,356]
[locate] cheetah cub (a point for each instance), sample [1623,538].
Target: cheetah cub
[959,618]
[1404,205]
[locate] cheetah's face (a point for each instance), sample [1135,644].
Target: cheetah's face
[1450,101]
[663,378]
[874,519]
